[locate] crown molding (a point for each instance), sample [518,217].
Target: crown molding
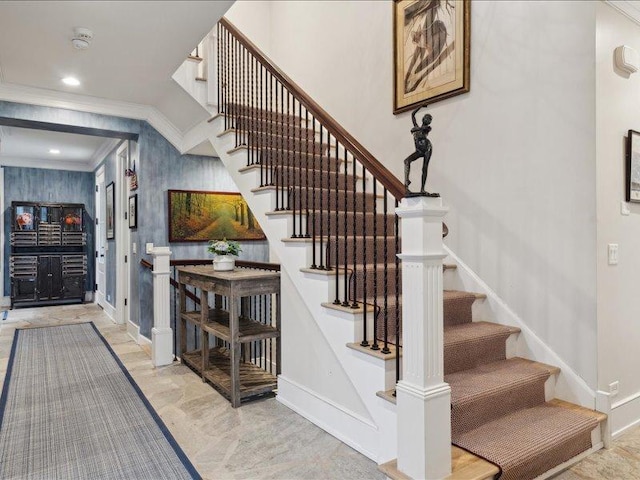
[109,145]
[46,164]
[629,9]
[85,103]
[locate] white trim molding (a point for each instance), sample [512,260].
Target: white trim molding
[629,9]
[84,103]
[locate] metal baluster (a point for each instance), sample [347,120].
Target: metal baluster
[289,157]
[375,266]
[354,300]
[385,349]
[365,342]
[313,196]
[269,138]
[283,147]
[321,252]
[236,93]
[250,120]
[227,49]
[218,73]
[337,230]
[306,166]
[262,127]
[345,302]
[175,312]
[397,293]
[278,141]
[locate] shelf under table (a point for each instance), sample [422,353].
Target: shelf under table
[218,324]
[253,379]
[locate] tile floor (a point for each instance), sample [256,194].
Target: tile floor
[260,440]
[263,439]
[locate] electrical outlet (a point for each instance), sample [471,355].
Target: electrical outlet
[614,388]
[108,297]
[613,253]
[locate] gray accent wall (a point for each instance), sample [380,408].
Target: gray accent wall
[43,185]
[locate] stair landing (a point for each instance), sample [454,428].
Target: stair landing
[464,466]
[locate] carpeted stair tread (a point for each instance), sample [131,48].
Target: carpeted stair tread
[484,393]
[457,307]
[529,442]
[469,345]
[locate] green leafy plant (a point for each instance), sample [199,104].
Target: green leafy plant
[224,247]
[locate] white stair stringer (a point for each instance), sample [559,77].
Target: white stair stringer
[368,425]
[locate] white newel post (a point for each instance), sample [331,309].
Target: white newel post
[423,399]
[162,334]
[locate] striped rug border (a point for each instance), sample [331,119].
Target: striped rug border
[161,425]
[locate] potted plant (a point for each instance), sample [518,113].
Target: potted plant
[225,252]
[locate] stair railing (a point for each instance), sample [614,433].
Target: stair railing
[341,197]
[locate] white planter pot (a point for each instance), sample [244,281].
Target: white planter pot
[224,263]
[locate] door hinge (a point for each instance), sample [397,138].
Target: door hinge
[96,220]
[97,188]
[95,287]
[125,302]
[125,215]
[125,259]
[96,254]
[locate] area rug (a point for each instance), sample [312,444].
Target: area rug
[70,410]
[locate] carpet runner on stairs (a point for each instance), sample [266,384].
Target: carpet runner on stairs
[498,410]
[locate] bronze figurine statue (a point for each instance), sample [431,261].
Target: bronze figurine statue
[423,150]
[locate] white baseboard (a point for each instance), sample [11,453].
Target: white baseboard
[5,302]
[133,331]
[570,386]
[348,427]
[109,310]
[142,340]
[625,414]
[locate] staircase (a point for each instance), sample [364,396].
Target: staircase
[327,207]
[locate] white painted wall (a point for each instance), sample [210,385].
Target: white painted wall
[514,159]
[618,107]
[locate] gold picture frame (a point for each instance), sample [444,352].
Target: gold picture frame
[432,50]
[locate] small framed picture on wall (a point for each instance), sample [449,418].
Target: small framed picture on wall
[111,214]
[133,211]
[633,167]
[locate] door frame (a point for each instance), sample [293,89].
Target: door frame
[100,239]
[123,242]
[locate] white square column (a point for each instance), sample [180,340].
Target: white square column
[162,333]
[423,399]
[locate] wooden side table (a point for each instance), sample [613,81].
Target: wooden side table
[222,365]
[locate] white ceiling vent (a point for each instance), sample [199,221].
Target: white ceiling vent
[81,38]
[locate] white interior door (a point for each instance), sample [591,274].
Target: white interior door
[100,239]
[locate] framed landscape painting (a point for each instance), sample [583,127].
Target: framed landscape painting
[431,51]
[196,216]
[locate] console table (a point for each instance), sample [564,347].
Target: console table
[234,377]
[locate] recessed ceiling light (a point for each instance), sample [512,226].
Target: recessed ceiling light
[54,151]
[71,81]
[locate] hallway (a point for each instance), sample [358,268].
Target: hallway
[260,440]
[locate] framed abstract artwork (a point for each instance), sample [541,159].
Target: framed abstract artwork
[432,45]
[196,216]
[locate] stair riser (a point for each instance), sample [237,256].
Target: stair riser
[330,200]
[284,143]
[301,178]
[346,226]
[377,284]
[469,355]
[234,110]
[271,157]
[374,249]
[271,127]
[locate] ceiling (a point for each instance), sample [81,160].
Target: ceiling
[630,8]
[137,46]
[27,147]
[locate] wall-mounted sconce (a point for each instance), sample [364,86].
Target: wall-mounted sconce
[627,59]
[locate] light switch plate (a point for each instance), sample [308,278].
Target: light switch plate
[613,253]
[624,208]
[149,248]
[134,248]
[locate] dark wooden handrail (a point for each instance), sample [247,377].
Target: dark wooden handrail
[377,169]
[240,263]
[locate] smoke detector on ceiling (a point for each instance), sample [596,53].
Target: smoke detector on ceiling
[81,38]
